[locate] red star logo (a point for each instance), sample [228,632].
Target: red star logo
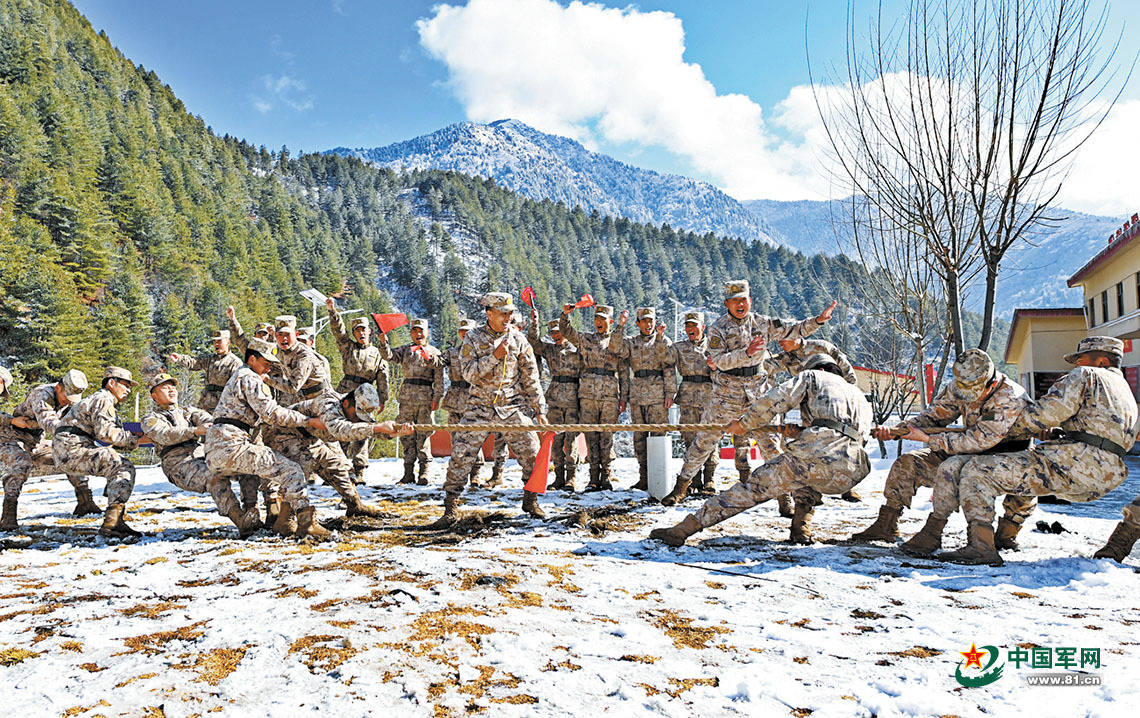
[973,657]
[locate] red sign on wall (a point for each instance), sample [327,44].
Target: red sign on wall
[1132,374]
[1127,345]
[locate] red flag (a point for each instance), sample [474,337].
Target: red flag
[541,472]
[528,297]
[388,322]
[585,301]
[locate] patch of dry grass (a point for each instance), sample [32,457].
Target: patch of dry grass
[14,656]
[323,653]
[153,644]
[680,628]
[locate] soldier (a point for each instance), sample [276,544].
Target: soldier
[219,367]
[603,388]
[691,356]
[565,364]
[303,372]
[420,394]
[455,398]
[988,404]
[24,446]
[362,364]
[176,432]
[499,364]
[263,331]
[76,453]
[826,458]
[1092,411]
[230,450]
[737,349]
[654,368]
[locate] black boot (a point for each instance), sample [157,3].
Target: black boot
[409,474]
[642,478]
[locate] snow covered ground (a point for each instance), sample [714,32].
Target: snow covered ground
[578,615]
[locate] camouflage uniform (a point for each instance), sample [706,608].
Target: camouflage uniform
[422,386]
[304,373]
[693,394]
[652,365]
[565,364]
[793,361]
[603,386]
[76,453]
[363,364]
[238,336]
[218,368]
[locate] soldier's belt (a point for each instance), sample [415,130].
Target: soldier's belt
[600,371]
[741,371]
[76,431]
[563,379]
[461,384]
[234,422]
[357,379]
[846,429]
[1095,441]
[214,387]
[167,450]
[1006,447]
[697,378]
[312,391]
[418,382]
[646,373]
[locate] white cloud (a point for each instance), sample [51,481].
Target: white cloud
[1104,179]
[282,90]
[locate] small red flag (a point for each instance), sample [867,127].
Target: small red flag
[422,352]
[585,301]
[388,322]
[528,297]
[538,477]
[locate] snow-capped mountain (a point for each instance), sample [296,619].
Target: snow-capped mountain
[543,166]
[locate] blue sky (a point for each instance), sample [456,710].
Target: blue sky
[315,74]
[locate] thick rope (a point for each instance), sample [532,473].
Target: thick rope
[581,428]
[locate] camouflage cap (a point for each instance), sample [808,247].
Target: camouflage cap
[360,322]
[367,401]
[973,368]
[118,373]
[419,323]
[263,349]
[1108,345]
[6,378]
[466,325]
[286,321]
[646,313]
[74,384]
[265,327]
[220,334]
[159,379]
[553,326]
[305,333]
[819,361]
[694,318]
[497,300]
[604,310]
[736,288]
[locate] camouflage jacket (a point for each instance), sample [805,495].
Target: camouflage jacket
[338,427]
[172,431]
[455,398]
[501,383]
[246,399]
[1091,400]
[218,367]
[819,395]
[605,353]
[237,337]
[988,421]
[363,363]
[96,417]
[304,374]
[696,377]
[423,378]
[793,361]
[564,362]
[653,369]
[41,405]
[741,378]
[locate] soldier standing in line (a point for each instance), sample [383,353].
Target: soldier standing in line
[420,394]
[691,356]
[25,446]
[826,458]
[653,366]
[219,366]
[565,365]
[176,432]
[230,450]
[737,349]
[455,398]
[95,419]
[362,364]
[603,389]
[1093,412]
[498,363]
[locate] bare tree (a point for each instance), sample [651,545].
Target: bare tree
[893,387]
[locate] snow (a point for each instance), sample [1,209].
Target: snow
[519,617]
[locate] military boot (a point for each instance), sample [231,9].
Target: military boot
[308,527]
[786,506]
[356,507]
[642,477]
[743,474]
[571,475]
[450,513]
[272,510]
[114,523]
[286,523]
[409,474]
[1005,538]
[679,492]
[605,480]
[593,483]
[851,496]
[927,540]
[676,535]
[85,504]
[473,478]
[1119,544]
[979,548]
[421,477]
[885,528]
[8,520]
[530,505]
[707,486]
[496,474]
[559,478]
[250,522]
[801,523]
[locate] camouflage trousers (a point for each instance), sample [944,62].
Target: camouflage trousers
[706,443]
[1068,470]
[466,445]
[691,414]
[323,459]
[927,467]
[564,450]
[190,473]
[1131,513]
[415,446]
[17,464]
[357,453]
[646,414]
[75,456]
[599,445]
[229,452]
[813,465]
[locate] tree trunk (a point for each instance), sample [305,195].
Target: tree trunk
[954,306]
[988,309]
[882,448]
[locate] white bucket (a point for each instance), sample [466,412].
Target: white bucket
[661,464]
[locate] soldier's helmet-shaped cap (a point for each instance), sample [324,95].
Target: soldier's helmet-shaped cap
[646,313]
[264,349]
[304,333]
[159,379]
[497,300]
[694,318]
[419,324]
[604,310]
[736,288]
[360,322]
[973,370]
[552,326]
[286,321]
[467,325]
[74,384]
[367,401]
[819,361]
[1109,345]
[6,378]
[118,373]
[220,334]
[264,327]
